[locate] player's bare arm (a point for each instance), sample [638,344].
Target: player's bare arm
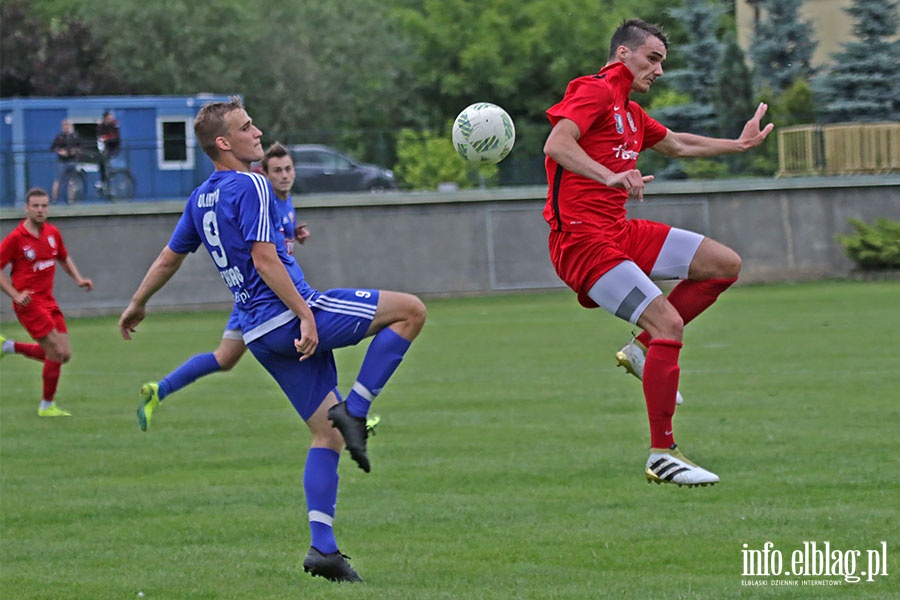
[563,147]
[68,265]
[166,264]
[689,145]
[22,298]
[272,271]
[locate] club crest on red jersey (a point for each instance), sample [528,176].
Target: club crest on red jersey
[620,124]
[29,252]
[631,122]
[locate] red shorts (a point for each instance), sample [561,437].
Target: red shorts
[40,317]
[581,258]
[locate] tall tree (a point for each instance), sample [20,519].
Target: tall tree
[331,67]
[176,47]
[782,47]
[697,79]
[20,42]
[336,65]
[517,54]
[863,82]
[55,57]
[72,63]
[733,97]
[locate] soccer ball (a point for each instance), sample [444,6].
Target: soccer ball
[483,133]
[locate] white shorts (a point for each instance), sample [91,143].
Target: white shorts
[625,290]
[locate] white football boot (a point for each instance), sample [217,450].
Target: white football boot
[632,358]
[670,466]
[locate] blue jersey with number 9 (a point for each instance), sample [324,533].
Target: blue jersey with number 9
[228,213]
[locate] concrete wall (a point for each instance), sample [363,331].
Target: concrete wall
[468,242]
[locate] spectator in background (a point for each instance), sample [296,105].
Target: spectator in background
[108,134]
[108,140]
[67,147]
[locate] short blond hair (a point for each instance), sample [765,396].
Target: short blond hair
[210,123]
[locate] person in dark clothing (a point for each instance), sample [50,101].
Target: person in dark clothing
[108,140]
[67,147]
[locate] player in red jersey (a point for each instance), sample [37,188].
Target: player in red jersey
[591,155]
[34,248]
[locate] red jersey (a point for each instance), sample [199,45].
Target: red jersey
[33,258]
[614,130]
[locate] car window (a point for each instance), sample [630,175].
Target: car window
[334,161]
[307,157]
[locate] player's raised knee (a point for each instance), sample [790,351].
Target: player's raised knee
[60,355]
[731,265]
[714,260]
[415,313]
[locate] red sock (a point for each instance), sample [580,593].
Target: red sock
[30,350]
[50,374]
[660,385]
[690,298]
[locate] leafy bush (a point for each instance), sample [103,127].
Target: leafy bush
[705,168]
[875,246]
[427,158]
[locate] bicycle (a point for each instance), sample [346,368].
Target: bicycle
[118,184]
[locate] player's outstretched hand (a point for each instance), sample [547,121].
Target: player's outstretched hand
[752,135]
[129,320]
[87,284]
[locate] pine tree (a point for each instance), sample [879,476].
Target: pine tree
[782,46]
[734,97]
[697,79]
[863,82]
[734,89]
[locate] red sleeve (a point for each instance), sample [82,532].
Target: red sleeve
[654,131]
[582,103]
[7,249]
[63,253]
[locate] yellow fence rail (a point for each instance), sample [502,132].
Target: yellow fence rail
[839,149]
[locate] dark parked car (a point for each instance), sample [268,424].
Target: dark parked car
[323,169]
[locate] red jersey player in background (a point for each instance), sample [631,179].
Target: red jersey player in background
[609,261]
[34,248]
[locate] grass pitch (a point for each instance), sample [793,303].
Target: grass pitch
[508,463]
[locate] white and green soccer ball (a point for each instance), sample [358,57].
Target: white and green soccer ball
[484,133]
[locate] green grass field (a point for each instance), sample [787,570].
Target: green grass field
[509,463]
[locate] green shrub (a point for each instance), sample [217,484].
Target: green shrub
[875,246]
[427,158]
[705,168]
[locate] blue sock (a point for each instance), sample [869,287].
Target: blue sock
[320,482]
[381,360]
[192,369]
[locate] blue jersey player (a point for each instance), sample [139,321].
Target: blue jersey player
[289,327]
[278,167]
